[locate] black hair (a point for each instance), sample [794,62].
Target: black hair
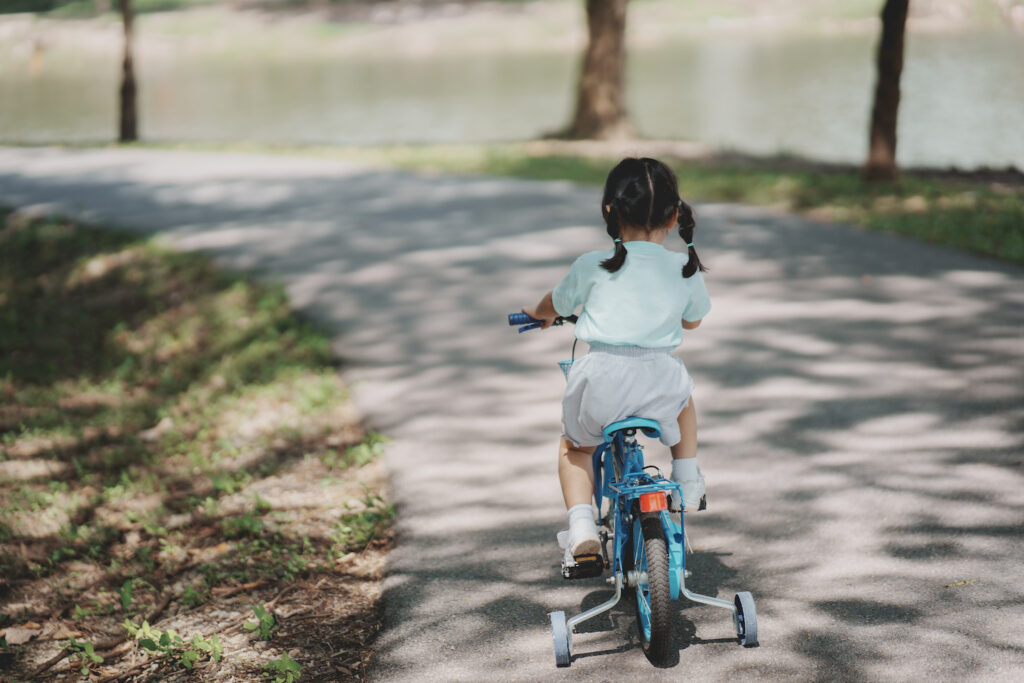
[644,193]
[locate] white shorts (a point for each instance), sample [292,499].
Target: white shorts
[612,383]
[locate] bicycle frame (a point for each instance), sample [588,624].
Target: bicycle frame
[623,457]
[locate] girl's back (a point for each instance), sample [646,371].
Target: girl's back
[641,304]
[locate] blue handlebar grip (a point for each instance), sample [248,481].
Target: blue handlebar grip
[520,319]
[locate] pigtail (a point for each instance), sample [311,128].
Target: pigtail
[617,259]
[611,217]
[687,223]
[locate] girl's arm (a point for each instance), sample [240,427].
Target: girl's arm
[688,325]
[544,311]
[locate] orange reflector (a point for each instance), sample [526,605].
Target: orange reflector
[653,502]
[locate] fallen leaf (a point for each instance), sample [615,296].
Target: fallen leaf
[63,632]
[17,635]
[158,430]
[961,583]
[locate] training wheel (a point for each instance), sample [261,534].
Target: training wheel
[560,633]
[746,619]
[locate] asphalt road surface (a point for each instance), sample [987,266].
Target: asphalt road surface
[861,407]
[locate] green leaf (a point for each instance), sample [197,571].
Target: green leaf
[165,639]
[149,644]
[126,594]
[189,658]
[216,649]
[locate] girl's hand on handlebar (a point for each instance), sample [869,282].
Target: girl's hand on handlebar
[531,311]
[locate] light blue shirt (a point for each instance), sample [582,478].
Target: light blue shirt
[643,304]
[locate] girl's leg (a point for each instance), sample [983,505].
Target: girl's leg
[576,473]
[687,446]
[684,459]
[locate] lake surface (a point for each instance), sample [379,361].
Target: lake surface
[963,96]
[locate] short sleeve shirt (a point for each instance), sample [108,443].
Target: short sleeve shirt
[642,304]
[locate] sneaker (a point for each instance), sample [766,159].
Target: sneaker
[693,492]
[585,542]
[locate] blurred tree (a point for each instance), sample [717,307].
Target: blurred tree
[129,120]
[601,96]
[881,164]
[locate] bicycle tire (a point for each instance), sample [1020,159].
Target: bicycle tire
[653,601]
[560,634]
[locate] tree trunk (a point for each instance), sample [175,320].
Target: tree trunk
[601,99]
[881,163]
[129,120]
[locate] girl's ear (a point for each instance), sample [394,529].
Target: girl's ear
[675,219]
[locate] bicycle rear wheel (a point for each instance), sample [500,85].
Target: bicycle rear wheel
[653,597]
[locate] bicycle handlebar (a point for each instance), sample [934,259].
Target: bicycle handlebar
[529,323]
[520,319]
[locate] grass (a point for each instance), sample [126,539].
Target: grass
[977,215]
[972,213]
[980,212]
[154,413]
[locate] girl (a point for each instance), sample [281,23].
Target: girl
[636,300]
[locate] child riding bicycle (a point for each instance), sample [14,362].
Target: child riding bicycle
[636,301]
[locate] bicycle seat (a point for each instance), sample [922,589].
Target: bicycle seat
[649,427]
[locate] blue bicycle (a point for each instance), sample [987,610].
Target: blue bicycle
[647,543]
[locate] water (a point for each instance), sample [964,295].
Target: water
[963,96]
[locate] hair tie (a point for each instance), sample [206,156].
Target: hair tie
[618,239]
[689,244]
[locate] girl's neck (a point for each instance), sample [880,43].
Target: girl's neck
[657,235]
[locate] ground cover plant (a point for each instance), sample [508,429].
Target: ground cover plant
[185,489]
[979,211]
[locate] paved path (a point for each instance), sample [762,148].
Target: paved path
[861,403]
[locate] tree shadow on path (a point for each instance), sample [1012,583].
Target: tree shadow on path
[860,401]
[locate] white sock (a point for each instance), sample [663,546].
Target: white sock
[685,469]
[581,519]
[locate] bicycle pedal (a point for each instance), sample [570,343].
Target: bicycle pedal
[583,567]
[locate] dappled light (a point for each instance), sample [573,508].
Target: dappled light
[164,424]
[860,411]
[263,415]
